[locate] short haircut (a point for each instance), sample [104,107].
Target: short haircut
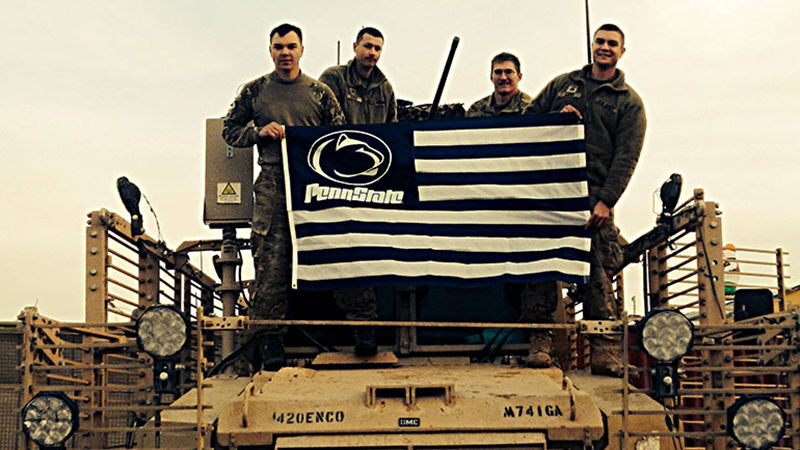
[284,28]
[503,57]
[368,30]
[612,27]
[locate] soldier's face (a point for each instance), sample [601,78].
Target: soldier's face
[505,77]
[286,51]
[368,50]
[607,48]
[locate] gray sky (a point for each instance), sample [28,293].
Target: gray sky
[92,90]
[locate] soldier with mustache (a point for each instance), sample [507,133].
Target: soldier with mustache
[614,126]
[363,91]
[285,96]
[366,97]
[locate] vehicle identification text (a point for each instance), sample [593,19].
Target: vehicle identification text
[299,417]
[532,411]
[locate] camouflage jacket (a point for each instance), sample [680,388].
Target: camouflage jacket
[486,107]
[363,101]
[303,101]
[615,122]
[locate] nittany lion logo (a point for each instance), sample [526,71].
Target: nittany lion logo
[350,157]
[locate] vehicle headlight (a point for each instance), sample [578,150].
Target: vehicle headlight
[162,331]
[756,423]
[666,335]
[50,418]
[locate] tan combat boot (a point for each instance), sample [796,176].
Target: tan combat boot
[539,354]
[606,356]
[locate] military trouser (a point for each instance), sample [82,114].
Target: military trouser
[599,300]
[357,304]
[539,300]
[271,248]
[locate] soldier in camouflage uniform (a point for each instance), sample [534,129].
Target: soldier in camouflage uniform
[507,98]
[366,97]
[614,125]
[537,301]
[363,91]
[285,96]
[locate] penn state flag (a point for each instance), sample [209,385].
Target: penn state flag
[466,202]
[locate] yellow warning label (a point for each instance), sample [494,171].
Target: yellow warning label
[229,192]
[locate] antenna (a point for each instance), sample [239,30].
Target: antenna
[588,34]
[440,88]
[338,52]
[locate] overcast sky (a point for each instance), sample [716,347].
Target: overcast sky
[92,90]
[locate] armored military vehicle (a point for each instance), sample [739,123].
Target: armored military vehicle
[161,359]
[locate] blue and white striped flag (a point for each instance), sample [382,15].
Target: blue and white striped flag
[467,202]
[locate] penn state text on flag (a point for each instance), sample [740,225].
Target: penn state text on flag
[467,202]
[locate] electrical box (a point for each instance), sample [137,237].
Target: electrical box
[229,181]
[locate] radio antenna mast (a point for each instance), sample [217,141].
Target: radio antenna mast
[588,33]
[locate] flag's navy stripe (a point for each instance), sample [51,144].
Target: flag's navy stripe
[382,253]
[500,204]
[499,122]
[528,177]
[348,283]
[425,229]
[555,204]
[441,243]
[498,150]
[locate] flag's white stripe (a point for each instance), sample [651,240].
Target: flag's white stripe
[505,164]
[495,191]
[442,243]
[432,268]
[491,136]
[340,214]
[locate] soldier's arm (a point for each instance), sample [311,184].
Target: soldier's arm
[543,102]
[477,109]
[235,129]
[331,111]
[391,105]
[627,148]
[331,79]
[473,110]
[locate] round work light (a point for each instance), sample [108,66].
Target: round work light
[666,335]
[756,422]
[162,331]
[49,419]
